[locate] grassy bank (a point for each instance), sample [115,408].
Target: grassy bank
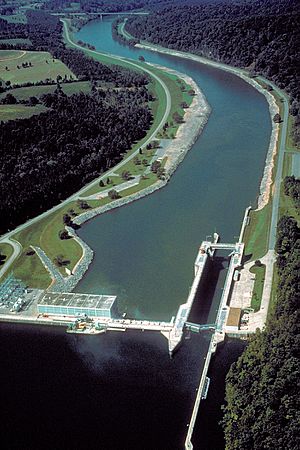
[12,112]
[257,233]
[39,66]
[21,111]
[24,93]
[6,251]
[45,233]
[259,271]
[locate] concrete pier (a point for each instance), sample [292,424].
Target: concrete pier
[204,253]
[235,264]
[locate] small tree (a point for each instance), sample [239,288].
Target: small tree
[60,261]
[83,204]
[63,234]
[113,194]
[33,101]
[277,118]
[9,99]
[126,175]
[67,220]
[177,117]
[101,184]
[160,173]
[155,166]
[72,212]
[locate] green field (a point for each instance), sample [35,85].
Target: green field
[43,67]
[25,93]
[45,232]
[15,18]
[6,250]
[259,272]
[30,270]
[12,112]
[257,233]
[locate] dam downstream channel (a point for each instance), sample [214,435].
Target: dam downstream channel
[121,391]
[145,251]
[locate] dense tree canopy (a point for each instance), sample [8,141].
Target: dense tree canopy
[262,393]
[292,188]
[49,156]
[45,33]
[114,5]
[263,36]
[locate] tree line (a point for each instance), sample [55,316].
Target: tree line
[110,5]
[262,388]
[263,37]
[45,33]
[46,158]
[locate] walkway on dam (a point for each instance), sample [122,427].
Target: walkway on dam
[124,324]
[184,310]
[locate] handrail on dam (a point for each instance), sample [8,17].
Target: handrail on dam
[206,251]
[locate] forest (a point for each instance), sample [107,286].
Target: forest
[51,155]
[262,392]
[263,36]
[115,5]
[262,408]
[45,33]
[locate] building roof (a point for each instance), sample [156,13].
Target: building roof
[77,300]
[234,317]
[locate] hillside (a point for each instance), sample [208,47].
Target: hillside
[263,36]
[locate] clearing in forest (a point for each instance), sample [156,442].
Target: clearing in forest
[19,66]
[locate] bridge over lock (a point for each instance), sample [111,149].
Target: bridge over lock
[206,251]
[197,328]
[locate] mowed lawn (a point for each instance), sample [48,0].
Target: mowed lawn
[12,112]
[43,67]
[24,93]
[20,111]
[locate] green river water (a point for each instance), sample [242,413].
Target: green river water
[144,252]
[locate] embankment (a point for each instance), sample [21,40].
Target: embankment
[195,119]
[266,182]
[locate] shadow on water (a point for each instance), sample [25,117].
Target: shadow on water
[206,303]
[113,391]
[208,433]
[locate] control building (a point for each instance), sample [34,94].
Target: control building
[70,304]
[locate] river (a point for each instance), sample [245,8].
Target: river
[121,391]
[144,252]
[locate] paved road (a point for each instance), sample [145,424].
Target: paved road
[278,177]
[270,257]
[74,197]
[124,32]
[17,248]
[15,57]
